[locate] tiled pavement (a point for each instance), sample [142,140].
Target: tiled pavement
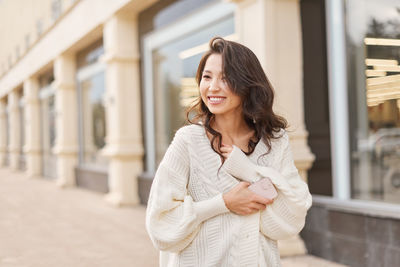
[42,225]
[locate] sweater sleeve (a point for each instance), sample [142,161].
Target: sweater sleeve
[285,217]
[173,218]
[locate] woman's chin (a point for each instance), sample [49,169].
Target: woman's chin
[216,111]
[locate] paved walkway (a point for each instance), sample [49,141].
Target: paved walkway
[42,225]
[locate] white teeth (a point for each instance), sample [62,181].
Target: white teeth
[216,98]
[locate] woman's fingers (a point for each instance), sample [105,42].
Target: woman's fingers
[241,200]
[244,184]
[226,150]
[258,206]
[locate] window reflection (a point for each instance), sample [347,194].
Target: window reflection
[51,105]
[7,158]
[91,83]
[94,121]
[374,60]
[174,71]
[48,125]
[90,55]
[22,161]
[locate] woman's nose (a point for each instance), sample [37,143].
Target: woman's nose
[214,85]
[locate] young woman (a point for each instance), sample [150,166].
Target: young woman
[200,210]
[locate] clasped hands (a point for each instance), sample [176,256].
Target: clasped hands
[240,199]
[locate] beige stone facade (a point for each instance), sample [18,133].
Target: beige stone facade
[64,28]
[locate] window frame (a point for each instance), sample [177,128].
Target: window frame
[157,39]
[339,124]
[82,74]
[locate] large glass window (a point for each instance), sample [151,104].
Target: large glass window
[7,159]
[22,161]
[48,124]
[174,70]
[373,29]
[91,86]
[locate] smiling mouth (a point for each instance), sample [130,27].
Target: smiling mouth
[215,100]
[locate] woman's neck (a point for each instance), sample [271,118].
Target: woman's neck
[232,127]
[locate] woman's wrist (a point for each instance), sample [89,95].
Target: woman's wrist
[226,198]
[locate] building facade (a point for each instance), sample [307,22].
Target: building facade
[351,52]
[92,92]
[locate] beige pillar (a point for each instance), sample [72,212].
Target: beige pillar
[15,129]
[66,143]
[122,99]
[272,29]
[3,132]
[32,126]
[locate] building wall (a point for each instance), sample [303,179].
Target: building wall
[353,238]
[68,27]
[63,29]
[23,23]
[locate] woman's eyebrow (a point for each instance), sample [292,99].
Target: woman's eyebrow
[209,71]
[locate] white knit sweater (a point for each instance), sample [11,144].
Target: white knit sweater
[186,215]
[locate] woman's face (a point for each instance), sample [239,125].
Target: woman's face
[214,89]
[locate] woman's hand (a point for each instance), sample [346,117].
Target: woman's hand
[242,201]
[226,150]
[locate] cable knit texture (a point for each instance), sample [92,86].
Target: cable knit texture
[187,219]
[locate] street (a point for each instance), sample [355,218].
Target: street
[42,225]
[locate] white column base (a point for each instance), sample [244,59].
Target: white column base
[123,182]
[2,159]
[65,170]
[14,160]
[33,165]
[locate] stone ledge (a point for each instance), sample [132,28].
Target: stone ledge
[308,261]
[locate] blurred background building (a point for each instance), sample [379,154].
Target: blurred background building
[92,92]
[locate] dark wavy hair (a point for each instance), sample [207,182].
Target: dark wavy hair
[246,78]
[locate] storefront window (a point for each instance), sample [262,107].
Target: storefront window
[91,85]
[48,124]
[373,29]
[22,163]
[7,159]
[174,70]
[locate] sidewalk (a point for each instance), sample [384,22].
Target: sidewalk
[42,225]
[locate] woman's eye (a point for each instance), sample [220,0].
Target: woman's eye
[206,77]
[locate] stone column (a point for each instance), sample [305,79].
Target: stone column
[15,129]
[32,123]
[272,29]
[66,143]
[124,145]
[3,132]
